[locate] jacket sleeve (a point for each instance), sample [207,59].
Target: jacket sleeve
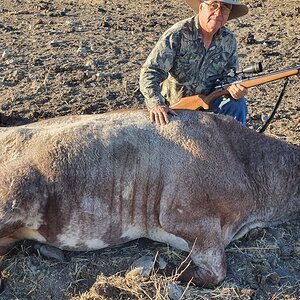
[233,62]
[155,69]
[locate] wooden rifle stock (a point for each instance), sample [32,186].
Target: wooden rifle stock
[204,101]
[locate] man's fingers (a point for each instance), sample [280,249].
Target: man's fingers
[237,91]
[158,119]
[163,118]
[159,114]
[152,117]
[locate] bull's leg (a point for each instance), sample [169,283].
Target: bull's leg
[206,245]
[7,238]
[7,242]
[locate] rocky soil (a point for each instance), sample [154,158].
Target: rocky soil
[84,57]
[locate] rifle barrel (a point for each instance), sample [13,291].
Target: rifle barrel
[261,79]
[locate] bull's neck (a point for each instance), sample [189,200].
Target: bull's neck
[273,169]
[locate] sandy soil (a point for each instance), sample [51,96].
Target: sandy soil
[83,57]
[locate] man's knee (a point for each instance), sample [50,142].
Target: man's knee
[234,108]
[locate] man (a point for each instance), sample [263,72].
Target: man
[188,55]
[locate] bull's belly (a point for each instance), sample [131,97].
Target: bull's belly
[91,225]
[88,243]
[73,241]
[92,238]
[81,240]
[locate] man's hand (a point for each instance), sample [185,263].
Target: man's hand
[237,91]
[159,114]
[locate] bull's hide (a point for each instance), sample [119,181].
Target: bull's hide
[91,181]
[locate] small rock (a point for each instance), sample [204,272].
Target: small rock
[117,51]
[39,22]
[101,10]
[175,291]
[57,43]
[72,23]
[8,28]
[51,252]
[162,263]
[264,117]
[91,63]
[82,51]
[18,75]
[274,278]
[250,39]
[6,106]
[6,54]
[58,13]
[134,273]
[106,24]
[296,250]
[143,265]
[36,61]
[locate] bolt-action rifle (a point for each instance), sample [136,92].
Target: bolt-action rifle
[205,101]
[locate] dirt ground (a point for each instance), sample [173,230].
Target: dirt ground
[84,57]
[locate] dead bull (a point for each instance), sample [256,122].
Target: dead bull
[88,182]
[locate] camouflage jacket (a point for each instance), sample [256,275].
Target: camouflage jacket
[179,64]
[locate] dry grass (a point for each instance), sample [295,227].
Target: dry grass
[135,286]
[128,287]
[249,259]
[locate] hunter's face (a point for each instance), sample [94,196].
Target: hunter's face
[213,15]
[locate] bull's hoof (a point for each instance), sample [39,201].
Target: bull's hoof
[50,252]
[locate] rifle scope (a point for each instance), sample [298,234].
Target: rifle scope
[253,68]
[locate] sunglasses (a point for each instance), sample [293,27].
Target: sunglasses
[213,6]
